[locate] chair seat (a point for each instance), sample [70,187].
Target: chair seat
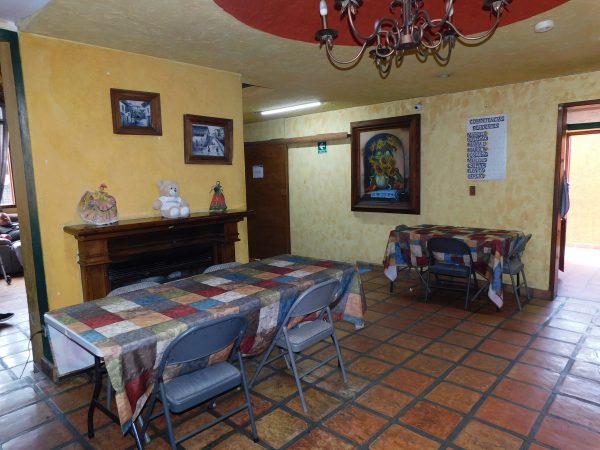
[306,334]
[191,389]
[451,270]
[513,266]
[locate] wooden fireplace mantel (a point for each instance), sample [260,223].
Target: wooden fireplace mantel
[145,238]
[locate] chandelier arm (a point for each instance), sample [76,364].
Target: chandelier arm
[329,49]
[378,24]
[478,37]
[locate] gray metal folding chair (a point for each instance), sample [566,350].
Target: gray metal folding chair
[216,267]
[297,338]
[458,250]
[513,266]
[194,387]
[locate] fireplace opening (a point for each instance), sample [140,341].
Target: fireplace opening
[163,266]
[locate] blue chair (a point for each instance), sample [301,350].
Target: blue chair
[298,337]
[514,266]
[201,385]
[454,250]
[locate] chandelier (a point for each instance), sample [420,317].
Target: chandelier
[413,30]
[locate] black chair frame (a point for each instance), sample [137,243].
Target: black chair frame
[456,247]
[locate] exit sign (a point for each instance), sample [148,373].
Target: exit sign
[322,147]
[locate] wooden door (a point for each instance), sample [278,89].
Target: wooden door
[267,194]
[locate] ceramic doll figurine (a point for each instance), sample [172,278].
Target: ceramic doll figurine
[218,200]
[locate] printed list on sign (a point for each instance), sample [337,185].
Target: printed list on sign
[486,147]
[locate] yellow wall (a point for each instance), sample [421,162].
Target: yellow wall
[324,226]
[583,219]
[74,149]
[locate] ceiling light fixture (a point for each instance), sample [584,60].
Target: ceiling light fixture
[544,26]
[269,112]
[413,30]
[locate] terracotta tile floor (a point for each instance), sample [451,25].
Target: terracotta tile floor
[420,376]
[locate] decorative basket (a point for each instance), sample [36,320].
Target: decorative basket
[98,208]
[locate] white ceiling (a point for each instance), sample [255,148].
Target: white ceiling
[200,32]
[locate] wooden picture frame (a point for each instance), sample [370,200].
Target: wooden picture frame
[135,112]
[207,140]
[386,159]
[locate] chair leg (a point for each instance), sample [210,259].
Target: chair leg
[391,287]
[150,407]
[248,399]
[427,286]
[468,292]
[168,418]
[515,290]
[263,361]
[297,378]
[526,287]
[339,353]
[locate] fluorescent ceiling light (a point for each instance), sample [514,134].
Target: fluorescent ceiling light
[269,112]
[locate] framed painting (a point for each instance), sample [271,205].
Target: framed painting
[386,165]
[135,112]
[207,140]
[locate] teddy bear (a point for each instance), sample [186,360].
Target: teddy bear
[171,205]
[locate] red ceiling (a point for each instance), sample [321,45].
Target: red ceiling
[300,19]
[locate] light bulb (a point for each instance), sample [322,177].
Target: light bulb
[323,8]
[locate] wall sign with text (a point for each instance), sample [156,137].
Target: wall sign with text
[486,147]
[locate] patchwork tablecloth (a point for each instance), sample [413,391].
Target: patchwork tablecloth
[132,331]
[488,248]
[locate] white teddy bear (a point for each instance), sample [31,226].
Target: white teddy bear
[171,205]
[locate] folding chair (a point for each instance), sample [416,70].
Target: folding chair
[457,262]
[420,271]
[296,338]
[201,385]
[514,266]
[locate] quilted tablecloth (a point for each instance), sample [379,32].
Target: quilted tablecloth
[488,248]
[133,330]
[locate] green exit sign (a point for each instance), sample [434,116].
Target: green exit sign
[322,147]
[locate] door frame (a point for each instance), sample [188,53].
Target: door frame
[33,261]
[561,155]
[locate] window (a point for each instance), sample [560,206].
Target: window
[8,194]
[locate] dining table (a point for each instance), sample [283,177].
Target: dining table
[407,246]
[127,334]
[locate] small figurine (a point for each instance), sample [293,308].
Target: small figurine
[98,208]
[218,200]
[171,205]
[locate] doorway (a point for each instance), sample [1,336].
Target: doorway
[34,280]
[576,272]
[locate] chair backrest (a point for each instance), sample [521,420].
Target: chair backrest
[314,299]
[204,340]
[216,267]
[131,287]
[401,227]
[448,246]
[519,247]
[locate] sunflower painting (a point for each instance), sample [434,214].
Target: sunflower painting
[386,165]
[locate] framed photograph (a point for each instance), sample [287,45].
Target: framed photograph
[135,112]
[386,165]
[207,140]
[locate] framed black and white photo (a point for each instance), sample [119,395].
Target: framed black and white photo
[135,112]
[207,140]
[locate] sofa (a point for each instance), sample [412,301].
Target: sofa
[10,252]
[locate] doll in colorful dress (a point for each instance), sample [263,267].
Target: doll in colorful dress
[218,200]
